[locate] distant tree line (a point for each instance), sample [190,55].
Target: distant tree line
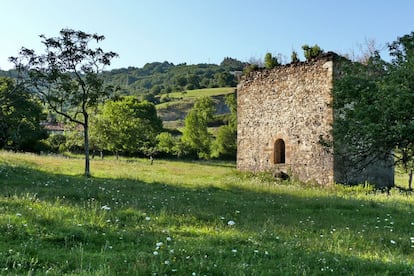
[158,78]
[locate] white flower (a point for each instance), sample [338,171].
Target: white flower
[18,214]
[393,242]
[158,244]
[147,218]
[167,262]
[106,208]
[231,223]
[169,239]
[234,250]
[155,253]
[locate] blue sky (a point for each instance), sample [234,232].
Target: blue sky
[205,31]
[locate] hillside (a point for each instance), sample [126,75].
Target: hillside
[173,88]
[173,111]
[161,78]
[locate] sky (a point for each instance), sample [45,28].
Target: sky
[205,31]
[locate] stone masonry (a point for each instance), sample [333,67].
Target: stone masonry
[283,115]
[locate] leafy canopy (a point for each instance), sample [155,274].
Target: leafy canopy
[374,107]
[128,125]
[67,76]
[20,116]
[195,133]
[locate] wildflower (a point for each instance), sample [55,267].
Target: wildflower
[159,244]
[167,262]
[231,223]
[106,208]
[393,242]
[147,218]
[169,239]
[155,253]
[18,214]
[234,250]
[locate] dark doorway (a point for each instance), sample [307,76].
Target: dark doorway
[280,152]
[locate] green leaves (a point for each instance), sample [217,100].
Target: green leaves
[20,117]
[127,125]
[67,77]
[311,52]
[195,133]
[374,106]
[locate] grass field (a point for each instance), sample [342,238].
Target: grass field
[192,218]
[209,92]
[190,95]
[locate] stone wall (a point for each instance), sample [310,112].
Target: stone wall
[292,103]
[283,116]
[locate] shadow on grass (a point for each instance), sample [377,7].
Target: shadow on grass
[304,234]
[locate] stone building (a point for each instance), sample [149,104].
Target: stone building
[284,114]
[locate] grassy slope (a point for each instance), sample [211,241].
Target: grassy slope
[132,218]
[174,111]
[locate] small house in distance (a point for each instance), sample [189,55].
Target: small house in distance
[284,114]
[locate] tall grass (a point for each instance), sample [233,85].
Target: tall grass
[185,218]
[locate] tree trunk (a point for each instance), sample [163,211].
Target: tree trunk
[86,140]
[410,179]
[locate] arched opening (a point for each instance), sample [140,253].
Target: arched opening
[280,152]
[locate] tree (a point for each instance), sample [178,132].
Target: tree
[225,144]
[167,143]
[128,125]
[294,57]
[311,52]
[232,64]
[20,116]
[225,79]
[270,61]
[67,77]
[195,133]
[400,89]
[374,103]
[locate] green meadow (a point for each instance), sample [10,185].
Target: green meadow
[192,218]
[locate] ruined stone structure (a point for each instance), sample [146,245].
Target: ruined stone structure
[284,114]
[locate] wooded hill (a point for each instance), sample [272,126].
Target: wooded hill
[161,78]
[173,88]
[154,81]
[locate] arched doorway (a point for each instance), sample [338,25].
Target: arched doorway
[279,152]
